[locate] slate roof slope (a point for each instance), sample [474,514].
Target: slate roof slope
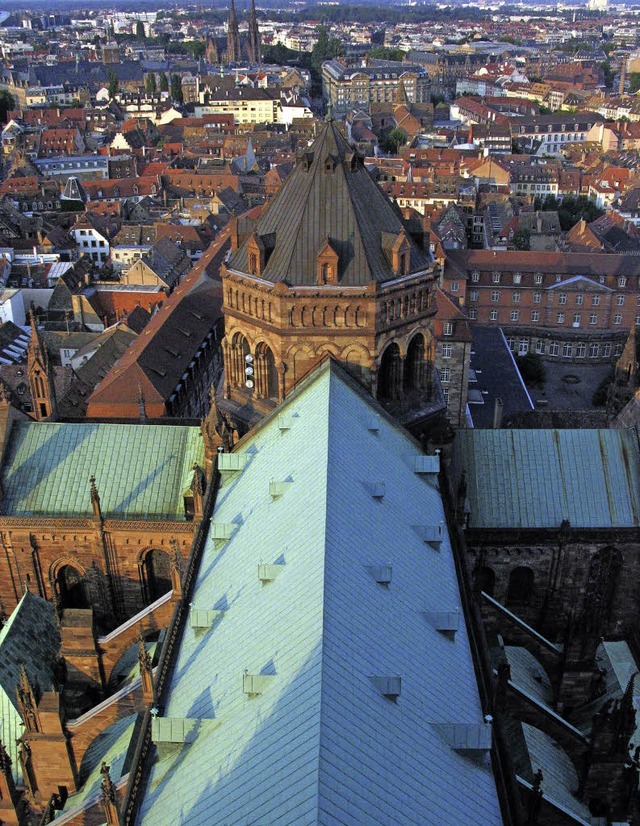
[30,638]
[560,776]
[113,746]
[320,745]
[537,478]
[47,468]
[494,375]
[342,204]
[157,359]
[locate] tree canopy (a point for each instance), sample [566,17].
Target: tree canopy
[176,88]
[394,140]
[326,48]
[113,84]
[7,103]
[571,209]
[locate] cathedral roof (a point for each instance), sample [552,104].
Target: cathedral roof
[330,196]
[314,740]
[537,478]
[47,468]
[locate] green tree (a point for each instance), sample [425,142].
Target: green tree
[387,53]
[532,369]
[571,209]
[634,82]
[140,30]
[326,48]
[521,239]
[150,83]
[197,48]
[7,104]
[113,84]
[394,140]
[278,54]
[609,74]
[176,88]
[164,82]
[601,393]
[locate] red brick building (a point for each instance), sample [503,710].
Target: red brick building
[564,305]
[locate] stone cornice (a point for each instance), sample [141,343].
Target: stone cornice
[59,524]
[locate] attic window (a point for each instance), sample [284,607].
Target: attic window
[326,273]
[253,264]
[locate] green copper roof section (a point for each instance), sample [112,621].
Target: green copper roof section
[28,638]
[141,470]
[114,746]
[537,478]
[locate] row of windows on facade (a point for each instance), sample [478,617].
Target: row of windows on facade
[538,278]
[566,349]
[576,319]
[521,187]
[93,244]
[563,298]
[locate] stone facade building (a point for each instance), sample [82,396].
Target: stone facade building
[566,306]
[348,86]
[91,514]
[552,526]
[330,268]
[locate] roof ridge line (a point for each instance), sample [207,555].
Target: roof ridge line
[310,183]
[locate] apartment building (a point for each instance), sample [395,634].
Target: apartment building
[565,305]
[348,86]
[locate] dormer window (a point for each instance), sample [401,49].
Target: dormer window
[327,265]
[256,258]
[622,281]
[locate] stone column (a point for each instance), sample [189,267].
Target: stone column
[396,375]
[282,370]
[260,375]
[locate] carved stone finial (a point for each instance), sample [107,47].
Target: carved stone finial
[27,705]
[198,481]
[107,786]
[95,497]
[143,657]
[176,570]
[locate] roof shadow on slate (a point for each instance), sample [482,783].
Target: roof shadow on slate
[44,460]
[222,604]
[229,788]
[139,489]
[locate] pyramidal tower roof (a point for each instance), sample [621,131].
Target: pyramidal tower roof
[331,197]
[317,680]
